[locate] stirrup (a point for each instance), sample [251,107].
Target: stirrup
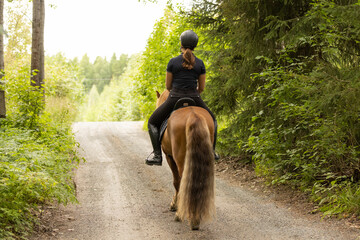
[156,160]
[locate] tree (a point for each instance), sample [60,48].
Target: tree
[37,48]
[118,66]
[2,92]
[63,78]
[284,76]
[17,52]
[102,73]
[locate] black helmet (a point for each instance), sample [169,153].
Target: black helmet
[189,39]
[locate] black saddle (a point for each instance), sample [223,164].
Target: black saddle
[184,102]
[181,103]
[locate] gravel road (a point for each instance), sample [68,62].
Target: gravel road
[122,198]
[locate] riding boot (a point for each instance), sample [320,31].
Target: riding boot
[155,140]
[217,157]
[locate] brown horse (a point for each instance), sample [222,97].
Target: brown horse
[188,146]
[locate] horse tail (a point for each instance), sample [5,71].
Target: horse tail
[196,198]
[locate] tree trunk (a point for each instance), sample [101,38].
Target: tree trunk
[37,48]
[2,92]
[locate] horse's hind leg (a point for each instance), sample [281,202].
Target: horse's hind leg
[176,181]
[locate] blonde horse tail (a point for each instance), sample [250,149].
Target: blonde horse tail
[196,198]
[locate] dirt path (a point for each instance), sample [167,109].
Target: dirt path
[122,198]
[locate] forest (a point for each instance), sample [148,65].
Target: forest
[283,78]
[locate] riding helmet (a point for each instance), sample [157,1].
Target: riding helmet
[189,39]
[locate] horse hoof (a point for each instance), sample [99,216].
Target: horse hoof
[195,225]
[177,218]
[173,208]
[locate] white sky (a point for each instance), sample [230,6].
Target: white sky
[100,28]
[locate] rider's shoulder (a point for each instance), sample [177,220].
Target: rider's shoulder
[199,60]
[174,59]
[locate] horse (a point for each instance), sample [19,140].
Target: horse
[188,146]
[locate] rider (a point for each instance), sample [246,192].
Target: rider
[185,77]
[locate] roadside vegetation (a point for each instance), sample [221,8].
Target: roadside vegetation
[285,79]
[37,147]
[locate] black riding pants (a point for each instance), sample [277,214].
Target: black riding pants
[165,109]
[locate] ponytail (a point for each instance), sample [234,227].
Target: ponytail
[188,59]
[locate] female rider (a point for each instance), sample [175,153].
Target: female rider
[185,77]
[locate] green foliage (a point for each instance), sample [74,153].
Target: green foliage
[33,170]
[37,152]
[90,111]
[37,147]
[18,37]
[118,66]
[101,82]
[284,77]
[37,155]
[307,138]
[101,71]
[117,101]
[26,102]
[63,78]
[126,102]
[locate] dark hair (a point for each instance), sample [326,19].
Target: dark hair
[188,59]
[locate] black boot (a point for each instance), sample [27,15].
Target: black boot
[155,140]
[217,157]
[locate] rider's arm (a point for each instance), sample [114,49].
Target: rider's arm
[169,78]
[201,83]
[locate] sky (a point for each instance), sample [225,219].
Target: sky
[100,28]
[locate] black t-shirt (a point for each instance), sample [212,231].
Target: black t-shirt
[184,78]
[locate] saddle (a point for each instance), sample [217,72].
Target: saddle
[181,103]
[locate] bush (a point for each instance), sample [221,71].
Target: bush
[37,152]
[306,131]
[285,79]
[33,170]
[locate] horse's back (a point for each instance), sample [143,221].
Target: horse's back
[179,118]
